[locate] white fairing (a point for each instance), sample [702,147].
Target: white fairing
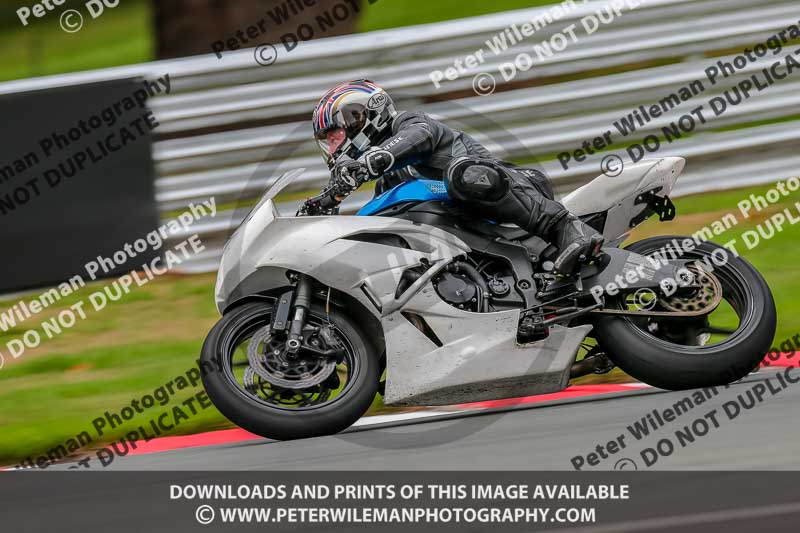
[471,356]
[618,195]
[478,357]
[323,248]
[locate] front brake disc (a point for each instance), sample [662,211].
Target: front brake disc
[275,365]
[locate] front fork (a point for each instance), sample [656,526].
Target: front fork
[297,303]
[302,304]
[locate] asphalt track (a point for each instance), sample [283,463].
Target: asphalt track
[536,437]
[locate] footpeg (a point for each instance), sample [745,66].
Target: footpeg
[595,362]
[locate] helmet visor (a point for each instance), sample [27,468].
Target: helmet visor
[330,140]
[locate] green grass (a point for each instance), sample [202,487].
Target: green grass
[394,13]
[155,333]
[125,35]
[120,36]
[114,356]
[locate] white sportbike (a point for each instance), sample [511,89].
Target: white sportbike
[423,303]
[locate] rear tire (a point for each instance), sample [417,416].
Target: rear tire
[673,366]
[252,413]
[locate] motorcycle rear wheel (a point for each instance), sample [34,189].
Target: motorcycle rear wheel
[656,359]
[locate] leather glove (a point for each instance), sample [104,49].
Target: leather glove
[310,208]
[307,209]
[347,176]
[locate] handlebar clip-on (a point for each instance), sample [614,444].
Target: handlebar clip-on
[325,203]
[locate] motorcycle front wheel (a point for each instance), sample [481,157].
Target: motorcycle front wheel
[687,353]
[288,396]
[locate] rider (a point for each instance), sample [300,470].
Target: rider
[364,138]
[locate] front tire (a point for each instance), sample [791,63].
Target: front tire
[248,408]
[662,362]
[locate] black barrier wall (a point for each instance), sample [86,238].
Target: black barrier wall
[76,179]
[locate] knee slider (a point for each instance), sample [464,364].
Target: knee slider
[477,181]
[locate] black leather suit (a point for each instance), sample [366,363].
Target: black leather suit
[420,146]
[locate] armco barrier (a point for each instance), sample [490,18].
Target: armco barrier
[641,57]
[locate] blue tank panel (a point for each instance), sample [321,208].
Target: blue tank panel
[408,191]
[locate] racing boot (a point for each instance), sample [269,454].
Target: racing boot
[508,195]
[577,243]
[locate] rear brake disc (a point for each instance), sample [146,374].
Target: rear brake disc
[695,305]
[702,298]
